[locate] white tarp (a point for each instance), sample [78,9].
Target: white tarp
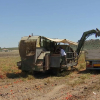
[63,41]
[55,40]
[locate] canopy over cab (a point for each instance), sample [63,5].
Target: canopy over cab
[30,43]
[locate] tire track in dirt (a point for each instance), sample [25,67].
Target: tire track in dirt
[51,94]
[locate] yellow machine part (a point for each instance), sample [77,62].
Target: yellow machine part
[96,65]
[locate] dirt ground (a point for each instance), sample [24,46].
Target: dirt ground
[75,85]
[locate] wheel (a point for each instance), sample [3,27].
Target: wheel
[55,71]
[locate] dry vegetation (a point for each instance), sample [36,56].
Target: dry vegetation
[71,84]
[8,65]
[9,68]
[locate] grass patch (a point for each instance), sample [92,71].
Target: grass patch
[85,76]
[65,73]
[81,58]
[8,65]
[47,81]
[81,62]
[76,82]
[79,80]
[30,77]
[81,66]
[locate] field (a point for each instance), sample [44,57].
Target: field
[71,84]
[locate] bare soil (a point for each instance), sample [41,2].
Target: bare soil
[73,85]
[51,88]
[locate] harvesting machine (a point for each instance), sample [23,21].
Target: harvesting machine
[39,53]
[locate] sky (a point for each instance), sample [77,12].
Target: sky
[64,19]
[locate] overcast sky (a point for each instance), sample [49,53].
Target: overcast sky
[51,18]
